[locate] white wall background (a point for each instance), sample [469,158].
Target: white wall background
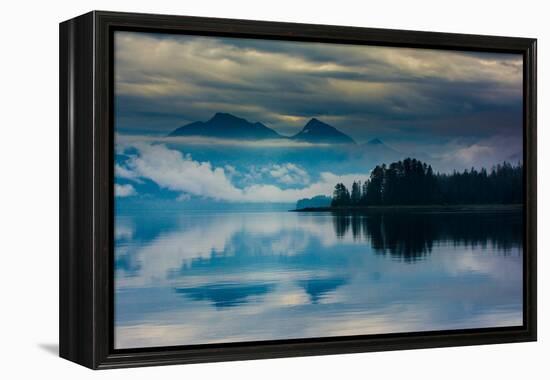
[29,190]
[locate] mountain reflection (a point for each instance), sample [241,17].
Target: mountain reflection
[319,288]
[294,275]
[225,294]
[410,236]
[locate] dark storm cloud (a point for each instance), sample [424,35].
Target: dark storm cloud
[163,82]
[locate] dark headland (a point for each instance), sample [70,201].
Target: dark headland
[412,185]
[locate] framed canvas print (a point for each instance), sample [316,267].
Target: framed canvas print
[237,189]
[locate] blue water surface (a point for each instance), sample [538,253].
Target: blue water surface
[189,277]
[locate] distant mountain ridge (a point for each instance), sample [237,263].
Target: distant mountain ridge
[225,125]
[378,151]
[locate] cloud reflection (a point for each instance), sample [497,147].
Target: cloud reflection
[253,276]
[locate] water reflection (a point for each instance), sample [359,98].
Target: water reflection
[411,236]
[225,295]
[319,288]
[214,277]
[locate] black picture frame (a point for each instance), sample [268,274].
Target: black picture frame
[86,189]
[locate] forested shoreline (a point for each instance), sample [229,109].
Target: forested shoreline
[412,182]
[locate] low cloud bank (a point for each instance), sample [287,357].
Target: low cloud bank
[124,190]
[172,170]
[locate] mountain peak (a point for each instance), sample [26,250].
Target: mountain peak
[375,141]
[226,125]
[316,123]
[316,131]
[224,116]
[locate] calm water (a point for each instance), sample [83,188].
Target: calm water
[191,278]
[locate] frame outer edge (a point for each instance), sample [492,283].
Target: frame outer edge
[531,199]
[85,196]
[103,190]
[66,323]
[76,329]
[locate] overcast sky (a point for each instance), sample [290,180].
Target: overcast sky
[427,98]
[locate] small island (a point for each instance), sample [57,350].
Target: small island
[411,184]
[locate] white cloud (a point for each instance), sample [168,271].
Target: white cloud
[124,190]
[230,170]
[124,231]
[172,170]
[470,154]
[484,153]
[289,174]
[122,172]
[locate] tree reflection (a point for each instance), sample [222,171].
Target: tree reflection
[411,235]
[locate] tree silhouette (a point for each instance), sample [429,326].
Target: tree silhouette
[341,196]
[356,192]
[412,182]
[374,188]
[363,200]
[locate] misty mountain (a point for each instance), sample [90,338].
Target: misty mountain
[374,142]
[225,125]
[377,151]
[315,131]
[317,201]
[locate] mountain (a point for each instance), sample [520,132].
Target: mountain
[315,131]
[225,125]
[375,141]
[375,151]
[378,146]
